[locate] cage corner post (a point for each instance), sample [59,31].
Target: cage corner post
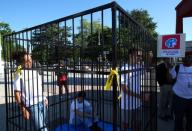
[114,65]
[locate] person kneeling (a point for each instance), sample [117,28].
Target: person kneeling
[81,113]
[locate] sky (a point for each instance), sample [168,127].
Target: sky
[21,14]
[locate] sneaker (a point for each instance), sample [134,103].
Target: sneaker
[163,118]
[95,127]
[169,117]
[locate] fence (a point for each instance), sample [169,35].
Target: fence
[85,46]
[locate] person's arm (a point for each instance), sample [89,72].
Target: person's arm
[46,101]
[87,112]
[128,92]
[173,73]
[81,114]
[17,89]
[143,96]
[21,105]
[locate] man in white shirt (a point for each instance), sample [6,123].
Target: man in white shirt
[29,93]
[131,100]
[81,113]
[182,89]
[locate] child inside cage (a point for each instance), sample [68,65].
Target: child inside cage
[28,91]
[81,113]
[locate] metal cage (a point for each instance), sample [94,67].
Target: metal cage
[89,44]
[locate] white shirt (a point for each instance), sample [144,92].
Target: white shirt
[183,85]
[75,105]
[30,86]
[132,80]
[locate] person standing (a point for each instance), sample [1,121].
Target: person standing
[61,72]
[132,96]
[165,83]
[182,99]
[29,93]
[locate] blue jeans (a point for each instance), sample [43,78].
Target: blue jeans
[38,115]
[182,108]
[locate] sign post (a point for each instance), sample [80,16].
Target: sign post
[171,45]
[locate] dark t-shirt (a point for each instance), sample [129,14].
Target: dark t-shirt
[161,74]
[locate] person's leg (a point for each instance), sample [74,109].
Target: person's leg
[60,89]
[37,116]
[66,87]
[124,119]
[136,119]
[189,116]
[170,103]
[162,104]
[88,121]
[179,106]
[76,121]
[164,100]
[44,115]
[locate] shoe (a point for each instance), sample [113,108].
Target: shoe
[169,117]
[94,127]
[163,118]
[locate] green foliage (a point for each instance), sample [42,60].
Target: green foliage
[4,30]
[143,17]
[54,42]
[50,43]
[98,42]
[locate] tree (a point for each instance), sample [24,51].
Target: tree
[98,42]
[143,17]
[51,43]
[4,30]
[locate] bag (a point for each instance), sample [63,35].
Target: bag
[63,77]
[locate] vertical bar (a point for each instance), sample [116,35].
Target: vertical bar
[114,64]
[103,64]
[65,41]
[92,66]
[5,79]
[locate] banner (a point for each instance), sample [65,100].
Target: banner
[171,45]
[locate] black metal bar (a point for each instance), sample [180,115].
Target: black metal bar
[103,7]
[5,79]
[64,43]
[114,65]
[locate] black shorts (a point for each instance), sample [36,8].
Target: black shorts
[61,83]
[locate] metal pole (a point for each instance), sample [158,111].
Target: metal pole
[114,64]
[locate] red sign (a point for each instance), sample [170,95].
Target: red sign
[171,42]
